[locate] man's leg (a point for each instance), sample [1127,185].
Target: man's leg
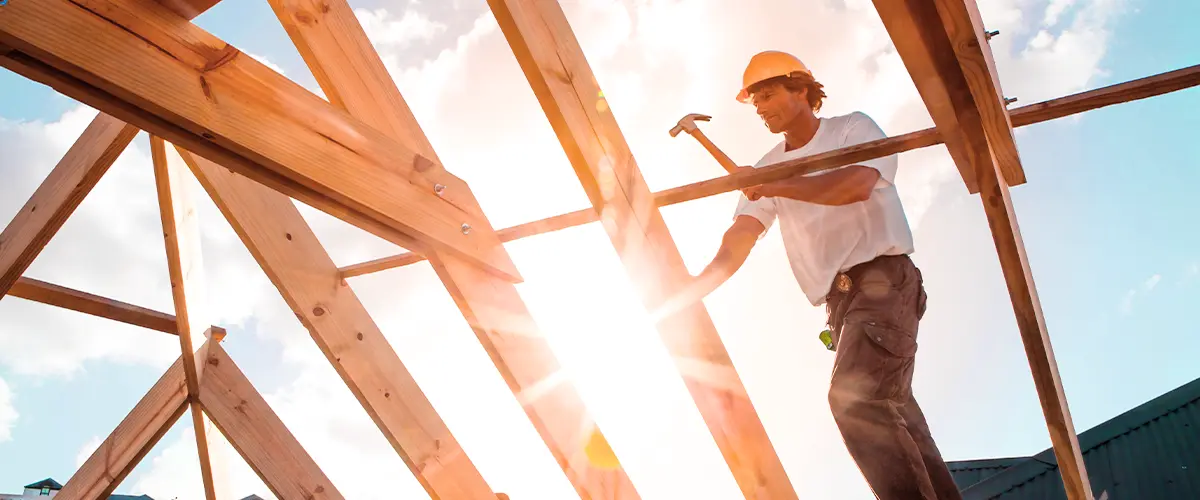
[939,473]
[872,380]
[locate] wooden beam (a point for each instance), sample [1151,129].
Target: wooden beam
[944,49]
[997,205]
[337,50]
[133,438]
[60,194]
[1133,90]
[188,9]
[181,232]
[294,260]
[553,62]
[144,64]
[949,49]
[95,305]
[257,433]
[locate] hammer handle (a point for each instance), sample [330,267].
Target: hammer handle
[724,160]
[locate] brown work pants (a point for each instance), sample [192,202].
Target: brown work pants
[874,316]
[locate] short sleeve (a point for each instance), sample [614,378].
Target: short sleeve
[762,209]
[863,129]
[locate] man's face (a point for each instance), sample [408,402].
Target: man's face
[777,106]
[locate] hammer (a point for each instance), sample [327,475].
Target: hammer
[688,124]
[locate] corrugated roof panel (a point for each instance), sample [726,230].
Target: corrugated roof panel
[1149,453]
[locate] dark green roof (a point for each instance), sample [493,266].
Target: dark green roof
[44,483]
[1148,453]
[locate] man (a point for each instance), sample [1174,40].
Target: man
[847,240]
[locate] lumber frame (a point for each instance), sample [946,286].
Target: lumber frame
[101,143]
[95,305]
[181,233]
[146,65]
[944,48]
[337,50]
[258,434]
[548,53]
[292,257]
[1030,114]
[133,438]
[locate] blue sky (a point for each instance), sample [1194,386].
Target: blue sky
[1106,219]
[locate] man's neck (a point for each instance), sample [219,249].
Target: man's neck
[800,131]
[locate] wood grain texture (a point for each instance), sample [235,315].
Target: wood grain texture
[1132,90]
[133,438]
[997,205]
[929,59]
[292,257]
[144,64]
[258,434]
[103,307]
[188,9]
[189,292]
[964,26]
[336,49]
[550,56]
[101,143]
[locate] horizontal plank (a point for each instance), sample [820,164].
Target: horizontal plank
[95,305]
[144,64]
[1031,114]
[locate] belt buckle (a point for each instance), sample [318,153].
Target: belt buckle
[843,283]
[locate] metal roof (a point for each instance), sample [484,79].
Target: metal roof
[1148,453]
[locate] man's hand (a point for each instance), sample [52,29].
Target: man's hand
[753,192]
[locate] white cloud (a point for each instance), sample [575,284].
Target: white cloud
[8,412]
[87,449]
[384,29]
[1146,287]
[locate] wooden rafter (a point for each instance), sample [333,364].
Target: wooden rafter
[555,65]
[1031,114]
[144,64]
[188,9]
[944,47]
[60,194]
[133,438]
[181,232]
[350,72]
[95,305]
[258,434]
[292,257]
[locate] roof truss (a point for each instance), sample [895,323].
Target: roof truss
[213,104]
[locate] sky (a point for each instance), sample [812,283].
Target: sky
[1104,218]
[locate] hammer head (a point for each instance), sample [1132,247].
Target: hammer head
[688,123]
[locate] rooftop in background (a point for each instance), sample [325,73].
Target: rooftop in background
[1147,453]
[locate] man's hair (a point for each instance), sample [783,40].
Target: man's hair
[796,83]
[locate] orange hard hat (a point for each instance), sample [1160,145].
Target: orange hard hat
[769,64]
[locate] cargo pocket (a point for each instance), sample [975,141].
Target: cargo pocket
[894,340]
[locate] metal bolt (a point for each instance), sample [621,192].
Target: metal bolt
[1009,100]
[466,228]
[991,34]
[438,188]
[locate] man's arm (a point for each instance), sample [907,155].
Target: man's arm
[735,247]
[843,186]
[739,239]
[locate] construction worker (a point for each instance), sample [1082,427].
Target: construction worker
[847,240]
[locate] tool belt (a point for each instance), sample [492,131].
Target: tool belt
[842,292]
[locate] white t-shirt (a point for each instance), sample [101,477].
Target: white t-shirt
[822,240]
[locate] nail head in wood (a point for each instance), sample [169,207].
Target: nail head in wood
[991,34]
